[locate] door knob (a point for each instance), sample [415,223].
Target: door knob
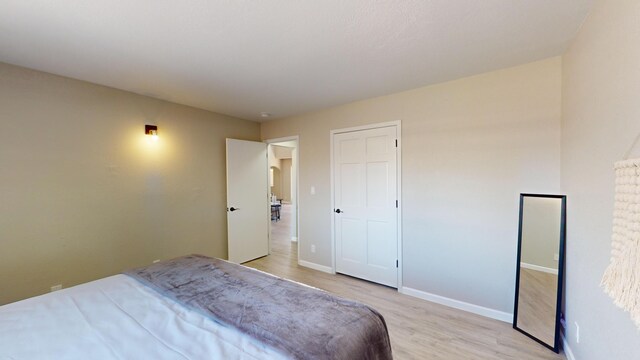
[338,211]
[233,209]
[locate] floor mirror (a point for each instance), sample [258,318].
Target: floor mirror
[540,265]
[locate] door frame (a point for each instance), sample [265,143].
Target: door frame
[332,133]
[297,174]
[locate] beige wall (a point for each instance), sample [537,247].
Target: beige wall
[274,161]
[601,118]
[82,193]
[275,169]
[286,180]
[469,148]
[541,227]
[278,156]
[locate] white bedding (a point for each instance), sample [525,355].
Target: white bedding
[117,318]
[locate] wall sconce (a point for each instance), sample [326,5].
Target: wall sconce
[151,130]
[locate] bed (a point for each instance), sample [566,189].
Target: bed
[191,307]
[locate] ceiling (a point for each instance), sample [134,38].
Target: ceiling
[284,57]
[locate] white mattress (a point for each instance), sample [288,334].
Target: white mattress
[117,318]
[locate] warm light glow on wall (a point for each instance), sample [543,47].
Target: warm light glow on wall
[151,149]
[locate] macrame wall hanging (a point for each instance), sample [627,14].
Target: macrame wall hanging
[621,279]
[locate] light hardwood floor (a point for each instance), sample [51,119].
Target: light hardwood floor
[537,304]
[418,329]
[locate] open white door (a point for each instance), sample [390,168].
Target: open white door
[247,200]
[365,197]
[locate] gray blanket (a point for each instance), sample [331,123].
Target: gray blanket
[300,321]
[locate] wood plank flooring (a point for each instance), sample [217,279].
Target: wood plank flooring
[418,329]
[537,304]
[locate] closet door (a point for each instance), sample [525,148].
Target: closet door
[365,199]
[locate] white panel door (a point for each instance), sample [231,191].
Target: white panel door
[365,185]
[248,208]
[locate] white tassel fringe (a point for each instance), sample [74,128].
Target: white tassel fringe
[621,279]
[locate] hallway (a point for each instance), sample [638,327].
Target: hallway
[283,252]
[281,233]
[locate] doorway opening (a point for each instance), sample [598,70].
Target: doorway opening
[283,191]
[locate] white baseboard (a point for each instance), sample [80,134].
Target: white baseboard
[566,349]
[315,266]
[460,305]
[539,268]
[294,238]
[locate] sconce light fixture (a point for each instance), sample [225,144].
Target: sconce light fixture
[151,130]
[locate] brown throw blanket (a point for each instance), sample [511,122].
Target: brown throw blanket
[300,321]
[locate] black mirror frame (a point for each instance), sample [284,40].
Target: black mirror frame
[561,258]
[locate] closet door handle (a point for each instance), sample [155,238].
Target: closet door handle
[338,211]
[233,209]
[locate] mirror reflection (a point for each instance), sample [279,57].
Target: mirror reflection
[540,260]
